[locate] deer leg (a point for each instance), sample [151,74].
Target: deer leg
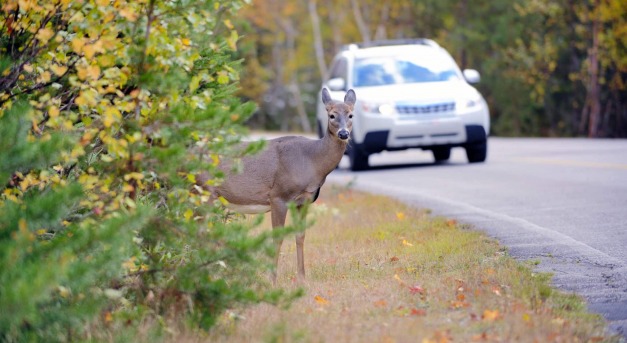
[300,245]
[278,214]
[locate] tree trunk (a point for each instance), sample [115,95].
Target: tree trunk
[361,24]
[381,32]
[595,88]
[317,35]
[294,88]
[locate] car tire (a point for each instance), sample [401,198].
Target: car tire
[358,159]
[477,152]
[441,154]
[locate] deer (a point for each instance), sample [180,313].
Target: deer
[291,169]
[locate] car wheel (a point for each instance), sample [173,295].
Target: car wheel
[477,152]
[358,159]
[441,154]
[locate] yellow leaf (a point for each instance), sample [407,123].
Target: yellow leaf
[106,60]
[129,14]
[215,159]
[58,69]
[320,300]
[22,224]
[28,68]
[64,292]
[78,44]
[128,188]
[186,41]
[188,214]
[231,41]
[130,264]
[53,111]
[405,242]
[45,76]
[89,50]
[223,78]
[400,215]
[45,34]
[191,178]
[134,175]
[82,72]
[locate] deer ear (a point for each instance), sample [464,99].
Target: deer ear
[350,98]
[326,97]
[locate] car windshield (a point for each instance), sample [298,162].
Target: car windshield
[388,70]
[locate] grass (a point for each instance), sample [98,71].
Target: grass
[379,271]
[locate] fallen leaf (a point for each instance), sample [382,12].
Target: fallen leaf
[418,312]
[320,300]
[380,303]
[461,297]
[400,215]
[459,304]
[416,289]
[489,315]
[405,242]
[398,278]
[394,259]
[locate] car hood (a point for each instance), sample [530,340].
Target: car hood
[428,92]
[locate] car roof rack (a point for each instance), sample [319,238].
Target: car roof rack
[388,42]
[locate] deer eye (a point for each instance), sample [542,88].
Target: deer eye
[350,116]
[331,116]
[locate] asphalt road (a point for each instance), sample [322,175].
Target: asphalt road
[562,202]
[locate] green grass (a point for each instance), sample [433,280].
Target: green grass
[379,271]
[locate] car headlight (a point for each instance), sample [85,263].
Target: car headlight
[380,108]
[468,103]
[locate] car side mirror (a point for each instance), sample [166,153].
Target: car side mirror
[472,76]
[337,84]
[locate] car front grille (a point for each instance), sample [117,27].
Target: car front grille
[429,109]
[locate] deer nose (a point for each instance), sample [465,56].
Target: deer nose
[343,134]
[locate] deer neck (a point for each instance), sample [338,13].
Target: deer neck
[330,150]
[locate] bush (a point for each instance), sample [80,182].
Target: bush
[102,223]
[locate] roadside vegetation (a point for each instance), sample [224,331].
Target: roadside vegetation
[379,271]
[108,112]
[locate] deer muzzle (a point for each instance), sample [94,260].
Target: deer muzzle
[343,134]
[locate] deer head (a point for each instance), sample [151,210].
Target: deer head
[340,114]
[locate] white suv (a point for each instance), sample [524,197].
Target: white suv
[410,94]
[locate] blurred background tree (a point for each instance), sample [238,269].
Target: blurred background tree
[549,67]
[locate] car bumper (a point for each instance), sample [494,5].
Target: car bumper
[393,133]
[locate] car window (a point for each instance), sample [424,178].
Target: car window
[387,70]
[339,69]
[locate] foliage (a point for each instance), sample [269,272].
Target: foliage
[536,57]
[131,100]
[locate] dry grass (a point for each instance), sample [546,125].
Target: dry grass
[379,271]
